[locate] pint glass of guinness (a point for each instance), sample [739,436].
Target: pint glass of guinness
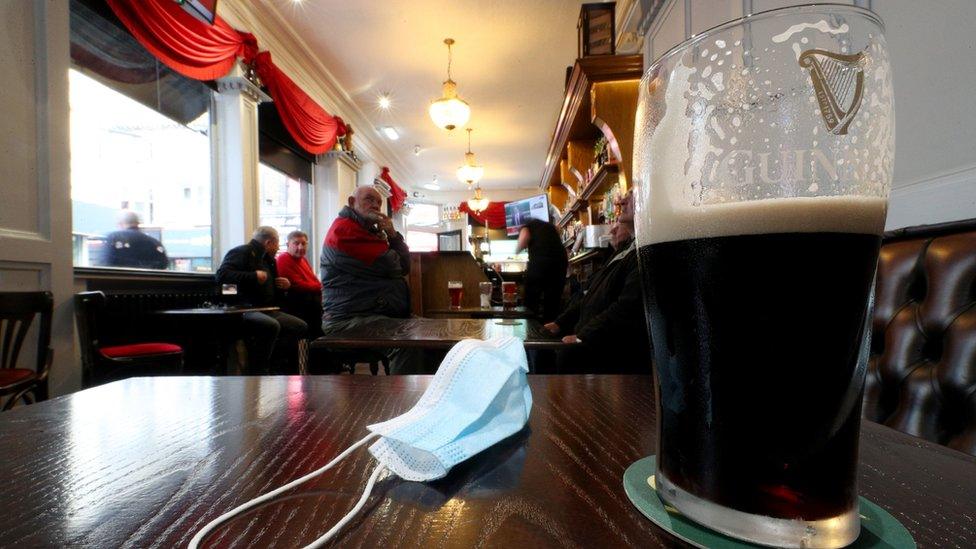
[763,160]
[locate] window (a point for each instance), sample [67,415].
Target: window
[423,221]
[140,153]
[283,203]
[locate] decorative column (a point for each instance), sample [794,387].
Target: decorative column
[335,175]
[236,159]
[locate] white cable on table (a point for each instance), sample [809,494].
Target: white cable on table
[195,542]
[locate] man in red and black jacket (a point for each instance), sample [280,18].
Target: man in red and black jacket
[364,265]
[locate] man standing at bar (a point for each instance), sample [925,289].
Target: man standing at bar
[363,266]
[253,269]
[608,319]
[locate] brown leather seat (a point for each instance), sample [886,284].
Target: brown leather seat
[922,374]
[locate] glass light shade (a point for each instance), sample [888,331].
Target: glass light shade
[470,173]
[450,111]
[478,203]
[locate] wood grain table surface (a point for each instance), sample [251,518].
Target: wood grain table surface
[146,462]
[438,333]
[216,311]
[478,312]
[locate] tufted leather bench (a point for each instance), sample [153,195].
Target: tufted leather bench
[922,374]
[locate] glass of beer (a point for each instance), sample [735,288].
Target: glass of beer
[509,295]
[456,289]
[763,160]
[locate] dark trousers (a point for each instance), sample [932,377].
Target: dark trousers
[272,342]
[308,307]
[546,289]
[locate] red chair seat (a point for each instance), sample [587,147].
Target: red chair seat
[140,349]
[12,376]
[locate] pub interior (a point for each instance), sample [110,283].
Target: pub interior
[577,279]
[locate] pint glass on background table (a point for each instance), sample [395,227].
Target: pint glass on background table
[484,291]
[763,160]
[455,288]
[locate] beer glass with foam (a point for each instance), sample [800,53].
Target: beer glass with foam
[763,160]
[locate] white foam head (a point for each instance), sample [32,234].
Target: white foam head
[836,214]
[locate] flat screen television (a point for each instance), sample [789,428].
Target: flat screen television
[518,212]
[205,10]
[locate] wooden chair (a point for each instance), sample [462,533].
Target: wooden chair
[106,357]
[17,313]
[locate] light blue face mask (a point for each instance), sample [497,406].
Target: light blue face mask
[478,397]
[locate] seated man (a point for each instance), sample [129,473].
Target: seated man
[304,298]
[608,321]
[253,269]
[363,266]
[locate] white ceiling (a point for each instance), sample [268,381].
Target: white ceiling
[510,60]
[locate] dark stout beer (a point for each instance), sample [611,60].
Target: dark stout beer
[756,342]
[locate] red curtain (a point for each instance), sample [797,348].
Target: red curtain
[313,128]
[207,52]
[397,195]
[493,216]
[184,43]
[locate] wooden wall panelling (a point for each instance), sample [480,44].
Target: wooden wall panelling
[613,108]
[416,285]
[436,268]
[568,180]
[580,154]
[558,196]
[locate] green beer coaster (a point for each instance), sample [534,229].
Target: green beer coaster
[878,528]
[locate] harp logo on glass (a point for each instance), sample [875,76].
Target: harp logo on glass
[838,81]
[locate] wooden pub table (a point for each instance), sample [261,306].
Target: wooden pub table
[215,323]
[437,333]
[480,312]
[146,462]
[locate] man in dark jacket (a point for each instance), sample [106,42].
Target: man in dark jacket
[607,321]
[253,270]
[130,247]
[363,266]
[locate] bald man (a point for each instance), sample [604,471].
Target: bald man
[364,265]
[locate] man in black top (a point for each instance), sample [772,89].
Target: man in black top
[253,269]
[545,275]
[130,247]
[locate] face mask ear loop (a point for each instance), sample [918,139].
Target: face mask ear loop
[195,542]
[345,520]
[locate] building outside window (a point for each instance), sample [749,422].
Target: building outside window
[283,202]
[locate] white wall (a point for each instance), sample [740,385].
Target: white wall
[933,53]
[35,208]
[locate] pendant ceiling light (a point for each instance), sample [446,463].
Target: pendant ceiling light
[470,172]
[479,203]
[450,111]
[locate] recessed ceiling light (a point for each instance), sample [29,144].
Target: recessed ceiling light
[384,101]
[390,133]
[432,186]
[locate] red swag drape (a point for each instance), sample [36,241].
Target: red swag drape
[397,195]
[207,52]
[185,44]
[493,216]
[308,123]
